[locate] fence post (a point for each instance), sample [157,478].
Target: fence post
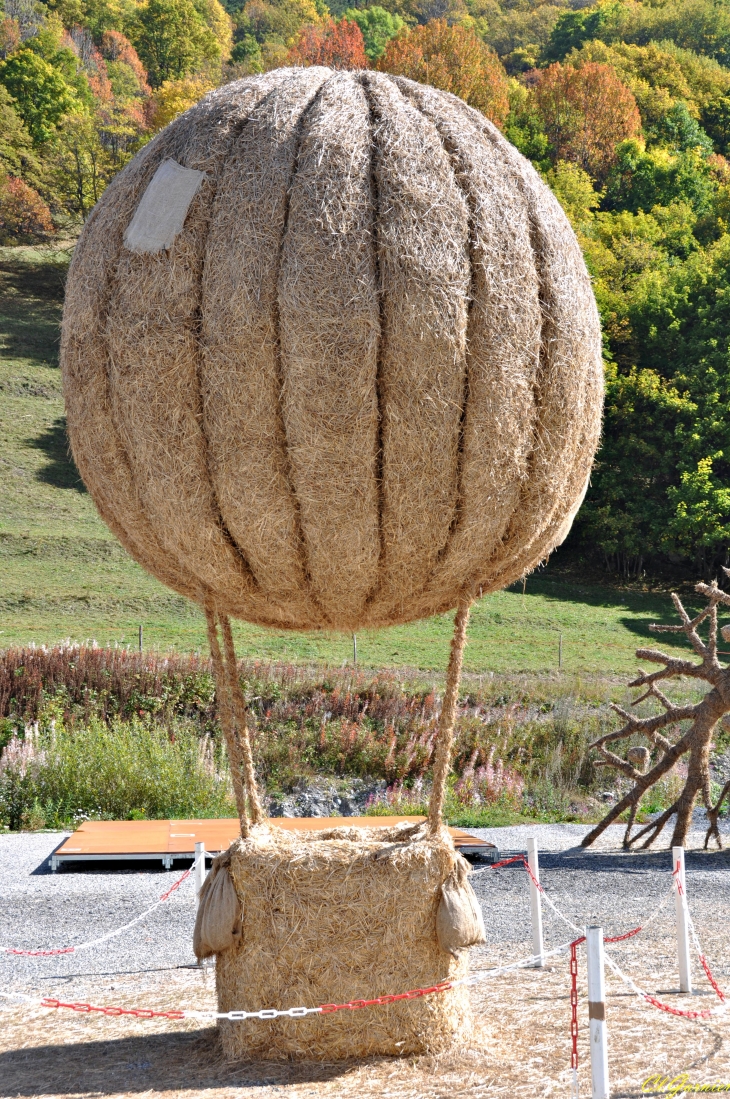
[597,1013]
[680,892]
[535,908]
[199,867]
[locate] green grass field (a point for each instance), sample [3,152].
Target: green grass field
[63,575]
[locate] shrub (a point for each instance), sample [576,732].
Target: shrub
[55,776]
[24,216]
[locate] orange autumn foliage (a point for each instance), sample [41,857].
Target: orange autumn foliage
[116,47]
[337,45]
[453,59]
[585,112]
[24,216]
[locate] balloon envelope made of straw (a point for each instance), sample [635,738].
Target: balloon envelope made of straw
[331,353]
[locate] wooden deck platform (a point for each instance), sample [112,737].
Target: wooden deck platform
[167,840]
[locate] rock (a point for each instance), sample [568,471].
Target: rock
[324,798]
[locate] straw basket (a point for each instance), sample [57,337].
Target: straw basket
[347,915]
[332,360]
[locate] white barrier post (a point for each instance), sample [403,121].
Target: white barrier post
[199,867]
[597,1014]
[680,890]
[535,910]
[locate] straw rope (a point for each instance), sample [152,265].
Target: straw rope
[240,710]
[225,710]
[447,720]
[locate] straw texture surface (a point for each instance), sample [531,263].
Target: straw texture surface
[330,917]
[363,378]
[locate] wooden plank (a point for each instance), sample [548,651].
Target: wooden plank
[112,837]
[178,837]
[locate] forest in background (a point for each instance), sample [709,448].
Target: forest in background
[623,107]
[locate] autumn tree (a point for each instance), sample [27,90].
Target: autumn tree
[174,97]
[337,45]
[585,113]
[454,59]
[24,216]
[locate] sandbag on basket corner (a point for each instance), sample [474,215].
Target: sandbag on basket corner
[459,920]
[218,921]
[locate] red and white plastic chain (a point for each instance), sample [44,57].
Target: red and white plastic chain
[269,1013]
[574,996]
[574,1011]
[653,1001]
[102,938]
[648,998]
[695,939]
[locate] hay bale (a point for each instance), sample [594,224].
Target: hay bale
[338,916]
[365,376]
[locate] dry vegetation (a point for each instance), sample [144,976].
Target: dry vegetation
[520,745]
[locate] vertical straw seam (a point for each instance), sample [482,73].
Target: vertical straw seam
[447,719]
[224,709]
[379,397]
[240,713]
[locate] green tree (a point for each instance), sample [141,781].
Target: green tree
[572,29]
[574,190]
[519,34]
[378,26]
[277,23]
[82,166]
[679,131]
[702,26]
[247,51]
[42,95]
[716,122]
[17,155]
[627,511]
[645,177]
[700,527]
[524,127]
[172,39]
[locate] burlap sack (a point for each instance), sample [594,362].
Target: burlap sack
[459,921]
[162,210]
[218,922]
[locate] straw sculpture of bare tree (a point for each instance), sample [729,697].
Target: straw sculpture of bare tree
[696,742]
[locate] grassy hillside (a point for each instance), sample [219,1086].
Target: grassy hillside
[62,574]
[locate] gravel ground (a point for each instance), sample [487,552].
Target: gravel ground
[39,909]
[519,1047]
